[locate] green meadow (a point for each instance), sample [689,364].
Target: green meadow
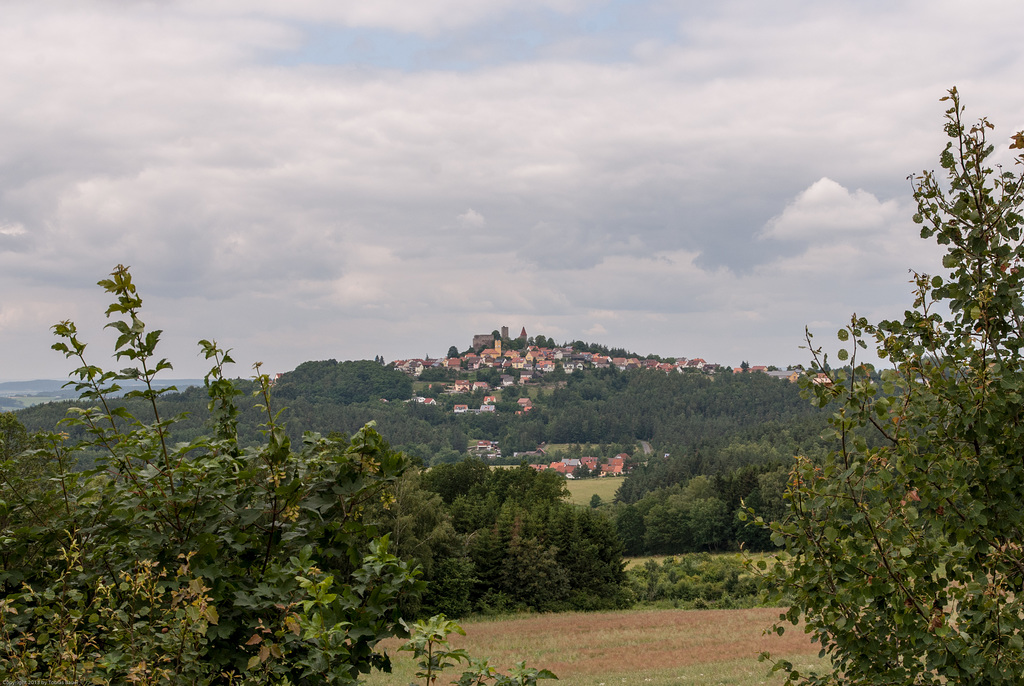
[582,490]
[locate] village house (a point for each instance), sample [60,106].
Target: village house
[535,361]
[485,449]
[566,466]
[560,467]
[615,466]
[791,375]
[411,367]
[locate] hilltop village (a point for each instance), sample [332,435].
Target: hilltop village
[495,362]
[521,361]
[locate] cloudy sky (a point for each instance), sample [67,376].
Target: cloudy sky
[341,179]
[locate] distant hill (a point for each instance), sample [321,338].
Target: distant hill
[51,385]
[36,386]
[19,394]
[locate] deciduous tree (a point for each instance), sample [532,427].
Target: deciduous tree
[906,560]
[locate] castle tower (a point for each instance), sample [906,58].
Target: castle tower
[523,334]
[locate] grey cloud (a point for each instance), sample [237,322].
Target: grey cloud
[330,205]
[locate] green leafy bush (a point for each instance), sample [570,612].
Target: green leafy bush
[192,562]
[904,557]
[696,580]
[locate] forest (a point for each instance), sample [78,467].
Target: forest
[717,422]
[717,443]
[156,527]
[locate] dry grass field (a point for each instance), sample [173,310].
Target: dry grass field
[654,648]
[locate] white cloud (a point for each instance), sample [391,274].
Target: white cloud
[471,219]
[826,211]
[12,229]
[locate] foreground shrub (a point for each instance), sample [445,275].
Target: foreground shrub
[197,562]
[904,556]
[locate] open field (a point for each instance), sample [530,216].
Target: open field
[582,490]
[738,558]
[552,448]
[655,648]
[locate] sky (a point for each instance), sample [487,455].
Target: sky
[320,179]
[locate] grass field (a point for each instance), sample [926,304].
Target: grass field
[738,558]
[552,448]
[655,648]
[582,490]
